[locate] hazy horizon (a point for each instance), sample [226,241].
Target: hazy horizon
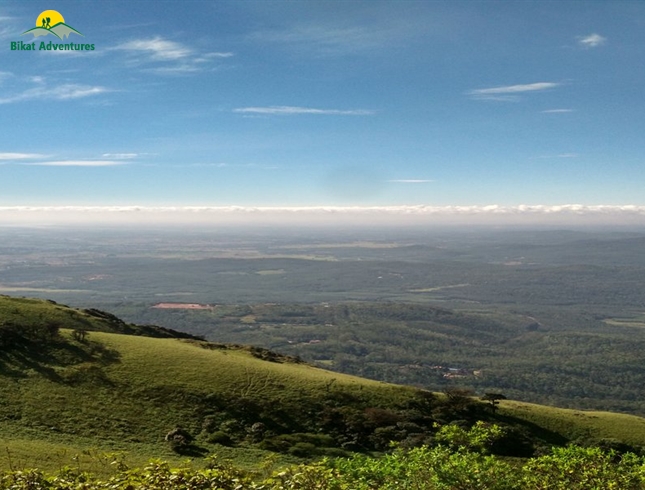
[364,216]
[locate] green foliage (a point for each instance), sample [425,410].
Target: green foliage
[576,468]
[480,437]
[423,468]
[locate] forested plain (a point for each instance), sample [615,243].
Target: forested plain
[550,316]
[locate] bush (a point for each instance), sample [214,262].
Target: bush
[220,437]
[179,440]
[303,450]
[578,468]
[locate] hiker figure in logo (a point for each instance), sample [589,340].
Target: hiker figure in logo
[47,25]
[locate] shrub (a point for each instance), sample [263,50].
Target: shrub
[303,450]
[220,437]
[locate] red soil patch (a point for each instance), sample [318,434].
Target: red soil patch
[183,306]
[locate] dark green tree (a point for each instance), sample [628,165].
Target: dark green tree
[493,399]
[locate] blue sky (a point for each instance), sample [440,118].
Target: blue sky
[383,104]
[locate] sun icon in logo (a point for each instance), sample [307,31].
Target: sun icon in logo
[48,19]
[51,22]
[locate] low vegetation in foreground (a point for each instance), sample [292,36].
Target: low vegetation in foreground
[458,462]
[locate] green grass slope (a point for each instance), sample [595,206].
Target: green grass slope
[580,426]
[134,390]
[29,315]
[65,397]
[115,392]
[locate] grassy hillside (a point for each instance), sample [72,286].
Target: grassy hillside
[30,315]
[603,428]
[572,359]
[65,397]
[116,392]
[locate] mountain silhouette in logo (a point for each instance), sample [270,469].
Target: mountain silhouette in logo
[60,30]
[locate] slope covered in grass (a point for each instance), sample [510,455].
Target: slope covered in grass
[63,395]
[29,315]
[115,392]
[581,426]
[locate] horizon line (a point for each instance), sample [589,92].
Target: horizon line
[567,215]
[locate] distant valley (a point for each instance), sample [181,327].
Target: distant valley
[548,316]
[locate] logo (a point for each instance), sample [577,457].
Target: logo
[51,22]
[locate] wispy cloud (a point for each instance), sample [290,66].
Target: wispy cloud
[157,48]
[513,89]
[259,166]
[561,155]
[164,56]
[120,156]
[592,40]
[290,110]
[213,55]
[67,91]
[556,111]
[356,33]
[78,163]
[509,93]
[20,156]
[567,155]
[328,40]
[411,181]
[8,27]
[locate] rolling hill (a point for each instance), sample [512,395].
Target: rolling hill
[82,383]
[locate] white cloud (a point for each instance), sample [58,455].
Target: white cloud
[355,31]
[509,93]
[8,27]
[157,48]
[592,40]
[216,165]
[67,91]
[19,156]
[180,69]
[120,156]
[328,39]
[557,111]
[561,155]
[568,155]
[411,181]
[227,54]
[290,110]
[175,58]
[77,163]
[421,209]
[570,214]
